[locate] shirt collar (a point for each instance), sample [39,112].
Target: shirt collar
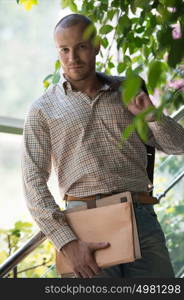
[109,82]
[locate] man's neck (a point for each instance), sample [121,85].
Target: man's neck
[89,85]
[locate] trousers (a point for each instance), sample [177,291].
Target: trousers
[155,261]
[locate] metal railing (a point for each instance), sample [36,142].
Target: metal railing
[12,125]
[171,185]
[12,261]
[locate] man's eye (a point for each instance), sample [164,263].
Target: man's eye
[63,50]
[82,46]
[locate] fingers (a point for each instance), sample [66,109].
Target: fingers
[88,271]
[135,102]
[96,270]
[85,265]
[96,246]
[88,267]
[91,268]
[141,94]
[139,103]
[84,273]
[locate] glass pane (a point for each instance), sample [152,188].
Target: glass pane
[167,167]
[12,204]
[27,53]
[170,210]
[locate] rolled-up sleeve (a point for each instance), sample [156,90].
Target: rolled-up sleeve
[36,169]
[166,135]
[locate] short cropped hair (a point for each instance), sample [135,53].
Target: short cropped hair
[74,19]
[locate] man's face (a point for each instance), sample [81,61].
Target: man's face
[77,56]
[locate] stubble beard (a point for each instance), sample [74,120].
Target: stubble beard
[79,77]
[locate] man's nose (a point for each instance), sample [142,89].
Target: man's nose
[73,56]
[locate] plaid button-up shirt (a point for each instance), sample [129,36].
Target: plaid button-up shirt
[80,136]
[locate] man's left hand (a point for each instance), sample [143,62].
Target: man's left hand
[140,103]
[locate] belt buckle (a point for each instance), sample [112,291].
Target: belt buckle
[135,199]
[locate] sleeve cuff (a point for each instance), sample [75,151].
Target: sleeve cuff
[62,236]
[157,124]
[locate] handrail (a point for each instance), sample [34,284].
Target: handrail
[21,253]
[179,114]
[11,125]
[170,186]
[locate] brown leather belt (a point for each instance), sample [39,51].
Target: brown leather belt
[137,197]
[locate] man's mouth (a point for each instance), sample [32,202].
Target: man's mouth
[76,67]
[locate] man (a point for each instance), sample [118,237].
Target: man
[77,125]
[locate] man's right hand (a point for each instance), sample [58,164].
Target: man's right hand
[81,256]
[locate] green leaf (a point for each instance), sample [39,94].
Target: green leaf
[104,42]
[146,51]
[89,32]
[73,7]
[115,3]
[3,256]
[138,69]
[106,29]
[126,134]
[176,52]
[18,1]
[153,21]
[141,128]
[120,42]
[154,74]
[140,29]
[57,65]
[178,99]
[110,65]
[165,37]
[128,130]
[150,109]
[87,6]
[56,78]
[124,22]
[111,13]
[130,36]
[21,225]
[131,87]
[162,1]
[121,67]
[124,25]
[46,84]
[70,4]
[96,41]
[141,3]
[140,41]
[16,232]
[136,59]
[65,3]
[48,77]
[129,72]
[127,59]
[133,7]
[125,46]
[179,209]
